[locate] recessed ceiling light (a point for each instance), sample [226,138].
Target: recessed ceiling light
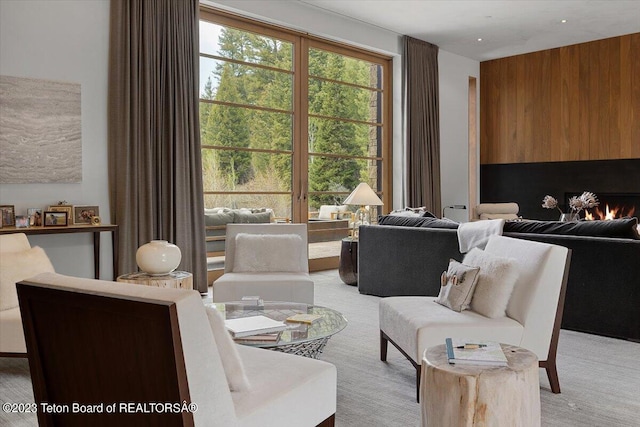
[564,21]
[479,39]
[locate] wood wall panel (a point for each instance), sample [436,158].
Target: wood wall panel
[579,102]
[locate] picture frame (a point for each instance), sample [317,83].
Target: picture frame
[8,213]
[63,208]
[83,214]
[56,219]
[22,221]
[35,217]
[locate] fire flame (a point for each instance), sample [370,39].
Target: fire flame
[609,213]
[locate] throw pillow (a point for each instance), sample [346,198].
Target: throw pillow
[231,361]
[458,283]
[17,266]
[261,253]
[496,280]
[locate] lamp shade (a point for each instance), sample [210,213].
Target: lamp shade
[363,195]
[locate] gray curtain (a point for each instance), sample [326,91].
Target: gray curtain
[155,172]
[422,122]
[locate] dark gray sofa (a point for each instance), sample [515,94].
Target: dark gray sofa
[603,290]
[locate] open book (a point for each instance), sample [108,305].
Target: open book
[474,352]
[254,325]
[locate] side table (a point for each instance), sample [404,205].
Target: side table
[348,267]
[176,279]
[475,395]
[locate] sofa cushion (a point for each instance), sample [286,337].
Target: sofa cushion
[401,221]
[496,279]
[268,253]
[218,218]
[17,266]
[458,283]
[247,217]
[233,367]
[625,228]
[417,323]
[445,223]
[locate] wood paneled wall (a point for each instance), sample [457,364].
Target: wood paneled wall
[579,102]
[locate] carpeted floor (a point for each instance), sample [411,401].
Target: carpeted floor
[600,377]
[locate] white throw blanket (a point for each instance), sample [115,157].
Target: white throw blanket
[476,233]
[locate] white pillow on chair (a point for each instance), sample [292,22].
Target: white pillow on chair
[259,253]
[496,280]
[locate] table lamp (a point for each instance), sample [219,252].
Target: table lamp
[363,196]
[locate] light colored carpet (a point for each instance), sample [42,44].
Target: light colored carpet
[600,377]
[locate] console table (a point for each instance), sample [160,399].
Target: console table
[95,229]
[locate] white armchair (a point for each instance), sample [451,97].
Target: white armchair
[265,260]
[99,342]
[533,315]
[18,261]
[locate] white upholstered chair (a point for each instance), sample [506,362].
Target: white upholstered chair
[533,315]
[266,260]
[18,261]
[92,341]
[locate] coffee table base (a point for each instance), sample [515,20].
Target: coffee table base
[311,349]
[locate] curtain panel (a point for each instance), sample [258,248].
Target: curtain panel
[155,170]
[422,124]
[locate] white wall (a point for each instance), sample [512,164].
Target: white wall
[65,41]
[454,72]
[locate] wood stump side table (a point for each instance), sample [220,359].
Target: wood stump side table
[176,279]
[475,395]
[348,267]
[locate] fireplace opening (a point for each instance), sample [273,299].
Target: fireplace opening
[612,206]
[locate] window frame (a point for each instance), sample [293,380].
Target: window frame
[302,42]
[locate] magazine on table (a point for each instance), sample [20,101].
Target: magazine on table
[474,352]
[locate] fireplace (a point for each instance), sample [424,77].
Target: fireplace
[613,181]
[612,205]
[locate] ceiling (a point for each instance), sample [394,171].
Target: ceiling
[506,27]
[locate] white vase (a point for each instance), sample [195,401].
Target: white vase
[158,257]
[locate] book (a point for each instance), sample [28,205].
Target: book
[253,325]
[474,352]
[304,318]
[261,338]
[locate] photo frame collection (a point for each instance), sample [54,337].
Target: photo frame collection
[60,215]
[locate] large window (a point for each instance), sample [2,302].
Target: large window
[289,122]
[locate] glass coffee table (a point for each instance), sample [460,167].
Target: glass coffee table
[299,338]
